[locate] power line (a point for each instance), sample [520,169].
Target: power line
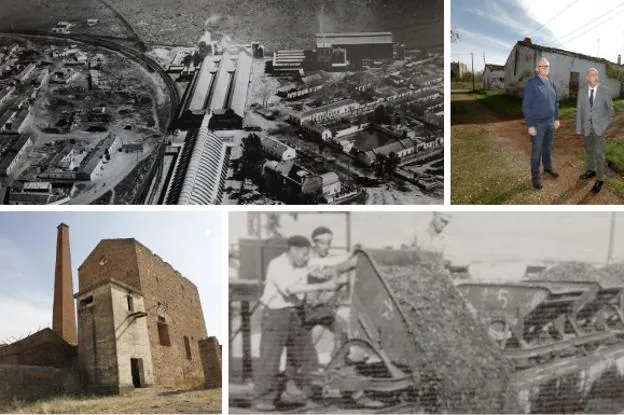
[560,40]
[553,18]
[596,26]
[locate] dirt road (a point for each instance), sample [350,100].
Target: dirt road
[508,139]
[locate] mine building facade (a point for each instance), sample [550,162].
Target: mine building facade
[139,320]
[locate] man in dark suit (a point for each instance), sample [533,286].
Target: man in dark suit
[594,111]
[541,112]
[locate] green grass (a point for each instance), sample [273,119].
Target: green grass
[511,106]
[616,186]
[614,153]
[480,173]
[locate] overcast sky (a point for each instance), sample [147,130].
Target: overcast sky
[189,241]
[494,26]
[490,242]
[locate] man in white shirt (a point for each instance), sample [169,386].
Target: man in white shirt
[282,323]
[431,238]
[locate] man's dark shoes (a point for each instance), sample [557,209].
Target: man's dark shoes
[537,183]
[597,186]
[587,175]
[552,173]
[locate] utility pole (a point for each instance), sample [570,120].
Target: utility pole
[472,62]
[484,85]
[611,237]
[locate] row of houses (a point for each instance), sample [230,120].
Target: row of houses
[350,108]
[15,152]
[93,164]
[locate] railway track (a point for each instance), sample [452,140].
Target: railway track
[145,61]
[126,23]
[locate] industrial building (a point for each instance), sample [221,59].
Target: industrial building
[285,61]
[219,88]
[138,317]
[339,50]
[200,171]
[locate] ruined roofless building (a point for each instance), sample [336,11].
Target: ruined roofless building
[139,320]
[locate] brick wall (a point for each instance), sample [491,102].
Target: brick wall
[43,348]
[29,383]
[165,293]
[211,361]
[168,293]
[121,264]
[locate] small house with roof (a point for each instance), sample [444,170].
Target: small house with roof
[567,69]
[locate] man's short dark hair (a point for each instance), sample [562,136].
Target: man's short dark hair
[298,241]
[321,230]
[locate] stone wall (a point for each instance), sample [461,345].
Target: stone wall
[29,383]
[211,361]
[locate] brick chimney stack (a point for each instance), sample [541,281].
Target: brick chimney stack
[64,311]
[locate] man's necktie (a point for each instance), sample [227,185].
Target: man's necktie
[591,97]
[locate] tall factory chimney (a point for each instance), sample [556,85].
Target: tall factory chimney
[64,311]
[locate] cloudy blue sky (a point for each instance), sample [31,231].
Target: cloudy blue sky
[489,241]
[494,26]
[190,241]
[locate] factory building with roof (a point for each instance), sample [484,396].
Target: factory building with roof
[220,88]
[339,50]
[200,173]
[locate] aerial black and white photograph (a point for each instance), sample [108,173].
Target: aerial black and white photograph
[426,312]
[221,102]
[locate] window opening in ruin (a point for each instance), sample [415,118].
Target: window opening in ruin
[163,332]
[86,301]
[130,301]
[187,346]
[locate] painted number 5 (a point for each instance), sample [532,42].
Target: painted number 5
[503,296]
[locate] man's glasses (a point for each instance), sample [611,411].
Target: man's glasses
[544,66]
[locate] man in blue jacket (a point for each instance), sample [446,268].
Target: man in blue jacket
[541,112]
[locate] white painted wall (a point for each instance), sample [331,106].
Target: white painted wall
[560,68]
[132,337]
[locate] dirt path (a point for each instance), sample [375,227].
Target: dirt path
[512,138]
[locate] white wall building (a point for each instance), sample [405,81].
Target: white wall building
[494,76]
[567,69]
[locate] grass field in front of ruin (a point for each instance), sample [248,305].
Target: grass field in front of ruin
[149,400]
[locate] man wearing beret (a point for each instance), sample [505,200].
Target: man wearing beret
[282,325]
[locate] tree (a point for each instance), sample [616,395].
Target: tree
[252,157]
[187,60]
[380,165]
[392,163]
